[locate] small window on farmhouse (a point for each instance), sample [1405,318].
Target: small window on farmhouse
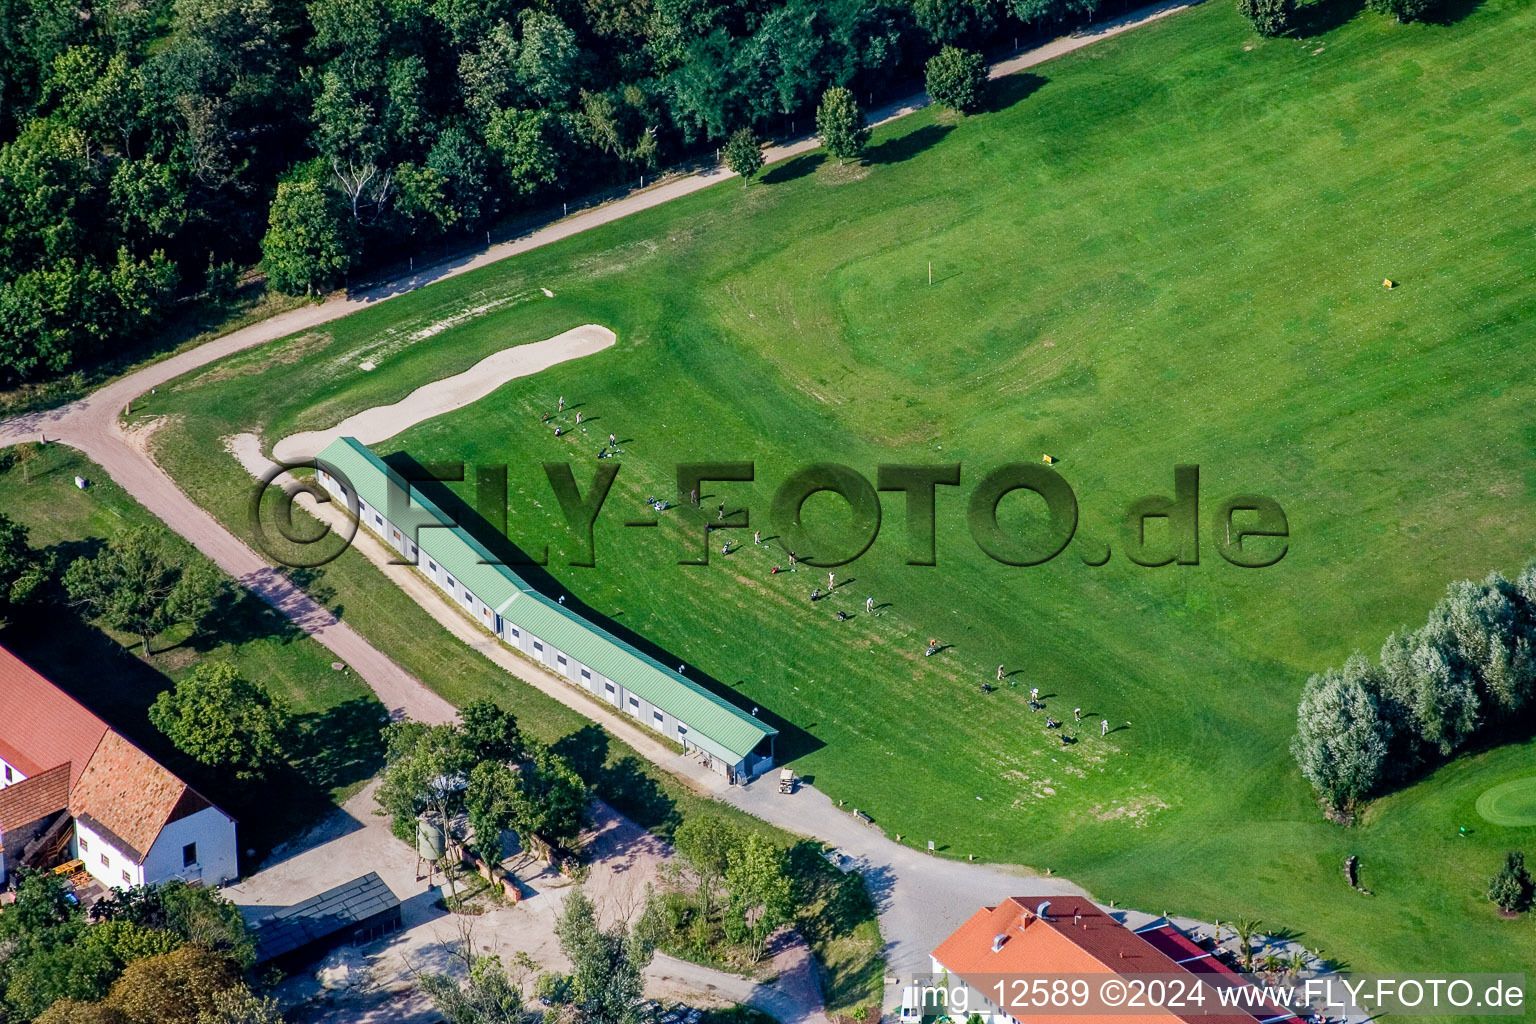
[378,519]
[538,647]
[396,533]
[634,703]
[84,846]
[609,687]
[515,634]
[189,855]
[451,584]
[585,674]
[105,862]
[7,773]
[126,879]
[682,730]
[431,565]
[561,659]
[657,716]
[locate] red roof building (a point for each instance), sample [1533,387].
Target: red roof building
[1055,937]
[42,726]
[135,822]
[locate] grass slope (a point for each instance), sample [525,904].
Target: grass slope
[1166,248]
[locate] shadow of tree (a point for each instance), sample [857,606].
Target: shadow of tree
[1448,12]
[240,617]
[904,147]
[1325,16]
[790,170]
[1005,92]
[624,784]
[341,745]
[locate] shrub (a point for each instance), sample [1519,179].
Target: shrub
[957,78]
[1269,17]
[1510,889]
[744,154]
[1402,10]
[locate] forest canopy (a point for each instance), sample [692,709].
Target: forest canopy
[152,150]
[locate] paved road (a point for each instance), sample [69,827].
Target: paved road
[920,897]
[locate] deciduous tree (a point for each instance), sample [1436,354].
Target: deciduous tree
[1268,17]
[218,717]
[134,585]
[308,244]
[840,123]
[744,154]
[957,78]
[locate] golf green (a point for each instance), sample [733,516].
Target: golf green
[1510,803]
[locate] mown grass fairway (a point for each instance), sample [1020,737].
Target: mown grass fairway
[1167,248]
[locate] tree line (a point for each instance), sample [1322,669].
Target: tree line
[1467,676]
[151,149]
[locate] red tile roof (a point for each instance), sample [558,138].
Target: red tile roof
[37,797]
[130,797]
[1075,937]
[41,726]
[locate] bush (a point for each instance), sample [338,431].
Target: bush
[840,123]
[957,78]
[1342,739]
[1269,17]
[1510,889]
[744,154]
[1402,10]
[1469,670]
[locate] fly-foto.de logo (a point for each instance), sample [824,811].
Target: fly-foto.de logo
[1246,530]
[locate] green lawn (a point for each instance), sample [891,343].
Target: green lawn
[337,717]
[1167,248]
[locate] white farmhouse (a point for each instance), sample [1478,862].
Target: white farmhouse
[63,770]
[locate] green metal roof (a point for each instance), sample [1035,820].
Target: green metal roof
[714,724]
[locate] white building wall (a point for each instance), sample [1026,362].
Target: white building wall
[9,774]
[217,851]
[106,863]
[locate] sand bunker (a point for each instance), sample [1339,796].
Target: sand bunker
[385,421]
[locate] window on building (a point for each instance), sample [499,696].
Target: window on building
[586,675]
[189,855]
[378,519]
[656,715]
[451,584]
[634,703]
[431,565]
[84,846]
[105,861]
[682,730]
[538,647]
[126,879]
[560,659]
[609,688]
[516,635]
[7,773]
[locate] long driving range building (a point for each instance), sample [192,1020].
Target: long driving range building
[729,740]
